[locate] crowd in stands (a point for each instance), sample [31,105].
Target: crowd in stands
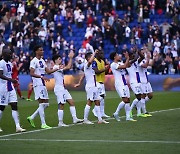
[110,25]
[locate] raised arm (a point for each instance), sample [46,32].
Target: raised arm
[68,66]
[92,58]
[126,64]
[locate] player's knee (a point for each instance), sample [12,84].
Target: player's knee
[150,96]
[138,97]
[2,107]
[14,106]
[61,106]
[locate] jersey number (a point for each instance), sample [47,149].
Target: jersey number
[41,64]
[8,67]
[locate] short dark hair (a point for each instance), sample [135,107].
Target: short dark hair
[112,55]
[36,48]
[87,55]
[55,57]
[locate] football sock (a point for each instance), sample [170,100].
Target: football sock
[86,111]
[60,115]
[73,112]
[138,107]
[143,105]
[120,106]
[97,109]
[29,93]
[127,109]
[1,112]
[19,92]
[102,106]
[41,113]
[35,113]
[15,116]
[134,103]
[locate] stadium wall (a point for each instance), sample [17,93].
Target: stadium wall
[158,82]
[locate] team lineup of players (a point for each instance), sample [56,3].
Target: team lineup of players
[135,64]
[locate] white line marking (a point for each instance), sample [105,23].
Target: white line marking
[39,130]
[103,141]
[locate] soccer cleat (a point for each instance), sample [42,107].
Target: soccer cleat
[19,129]
[142,115]
[116,117]
[61,124]
[131,119]
[105,116]
[77,121]
[1,130]
[103,122]
[22,97]
[148,114]
[30,120]
[28,99]
[45,126]
[94,112]
[88,122]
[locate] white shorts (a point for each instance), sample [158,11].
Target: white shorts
[136,88]
[40,92]
[146,88]
[92,93]
[101,88]
[123,90]
[62,96]
[7,97]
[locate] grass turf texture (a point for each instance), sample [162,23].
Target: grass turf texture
[157,134]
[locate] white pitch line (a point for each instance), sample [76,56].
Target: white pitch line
[103,141]
[39,130]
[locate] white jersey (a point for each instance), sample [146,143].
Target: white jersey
[143,72]
[134,76]
[6,67]
[119,74]
[39,66]
[59,78]
[90,75]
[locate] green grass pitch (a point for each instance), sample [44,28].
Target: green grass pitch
[157,134]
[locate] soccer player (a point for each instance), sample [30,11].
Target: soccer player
[7,91]
[91,89]
[100,69]
[147,92]
[134,79]
[37,70]
[118,69]
[15,72]
[61,92]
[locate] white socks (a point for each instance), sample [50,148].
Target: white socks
[41,113]
[97,110]
[73,112]
[143,105]
[127,109]
[120,106]
[60,115]
[134,103]
[35,113]
[138,107]
[1,112]
[15,116]
[102,106]
[86,112]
